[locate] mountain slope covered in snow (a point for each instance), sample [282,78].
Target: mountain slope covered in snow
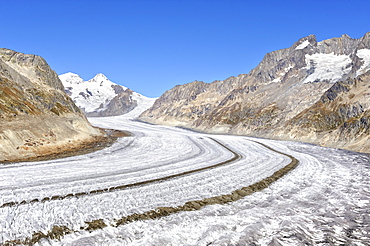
[101,97]
[313,91]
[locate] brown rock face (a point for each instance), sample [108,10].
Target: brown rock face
[312,91]
[36,115]
[120,104]
[340,118]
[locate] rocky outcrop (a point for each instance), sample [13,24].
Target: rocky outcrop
[101,97]
[122,103]
[340,118]
[296,93]
[37,118]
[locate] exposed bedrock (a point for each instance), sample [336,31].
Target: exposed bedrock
[316,92]
[37,117]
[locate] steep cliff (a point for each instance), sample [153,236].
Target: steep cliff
[283,96]
[37,118]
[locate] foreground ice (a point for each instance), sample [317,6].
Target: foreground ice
[324,201]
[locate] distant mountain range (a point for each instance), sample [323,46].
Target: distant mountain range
[101,97]
[316,92]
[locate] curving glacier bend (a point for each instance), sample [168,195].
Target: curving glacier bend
[324,201]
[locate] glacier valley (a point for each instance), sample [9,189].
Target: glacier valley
[323,201]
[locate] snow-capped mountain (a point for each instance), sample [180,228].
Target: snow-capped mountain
[313,91]
[101,97]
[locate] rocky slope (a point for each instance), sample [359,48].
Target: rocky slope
[37,118]
[313,91]
[101,97]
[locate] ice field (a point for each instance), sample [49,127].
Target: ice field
[324,201]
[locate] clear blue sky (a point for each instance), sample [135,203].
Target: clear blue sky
[152,45]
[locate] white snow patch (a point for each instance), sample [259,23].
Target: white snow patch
[303,45]
[364,54]
[288,68]
[281,75]
[327,67]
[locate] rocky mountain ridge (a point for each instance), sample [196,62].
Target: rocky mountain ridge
[312,91]
[101,97]
[37,117]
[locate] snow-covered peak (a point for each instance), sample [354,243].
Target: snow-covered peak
[70,78]
[96,94]
[98,78]
[102,81]
[89,95]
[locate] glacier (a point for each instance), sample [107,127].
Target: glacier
[364,54]
[324,201]
[329,67]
